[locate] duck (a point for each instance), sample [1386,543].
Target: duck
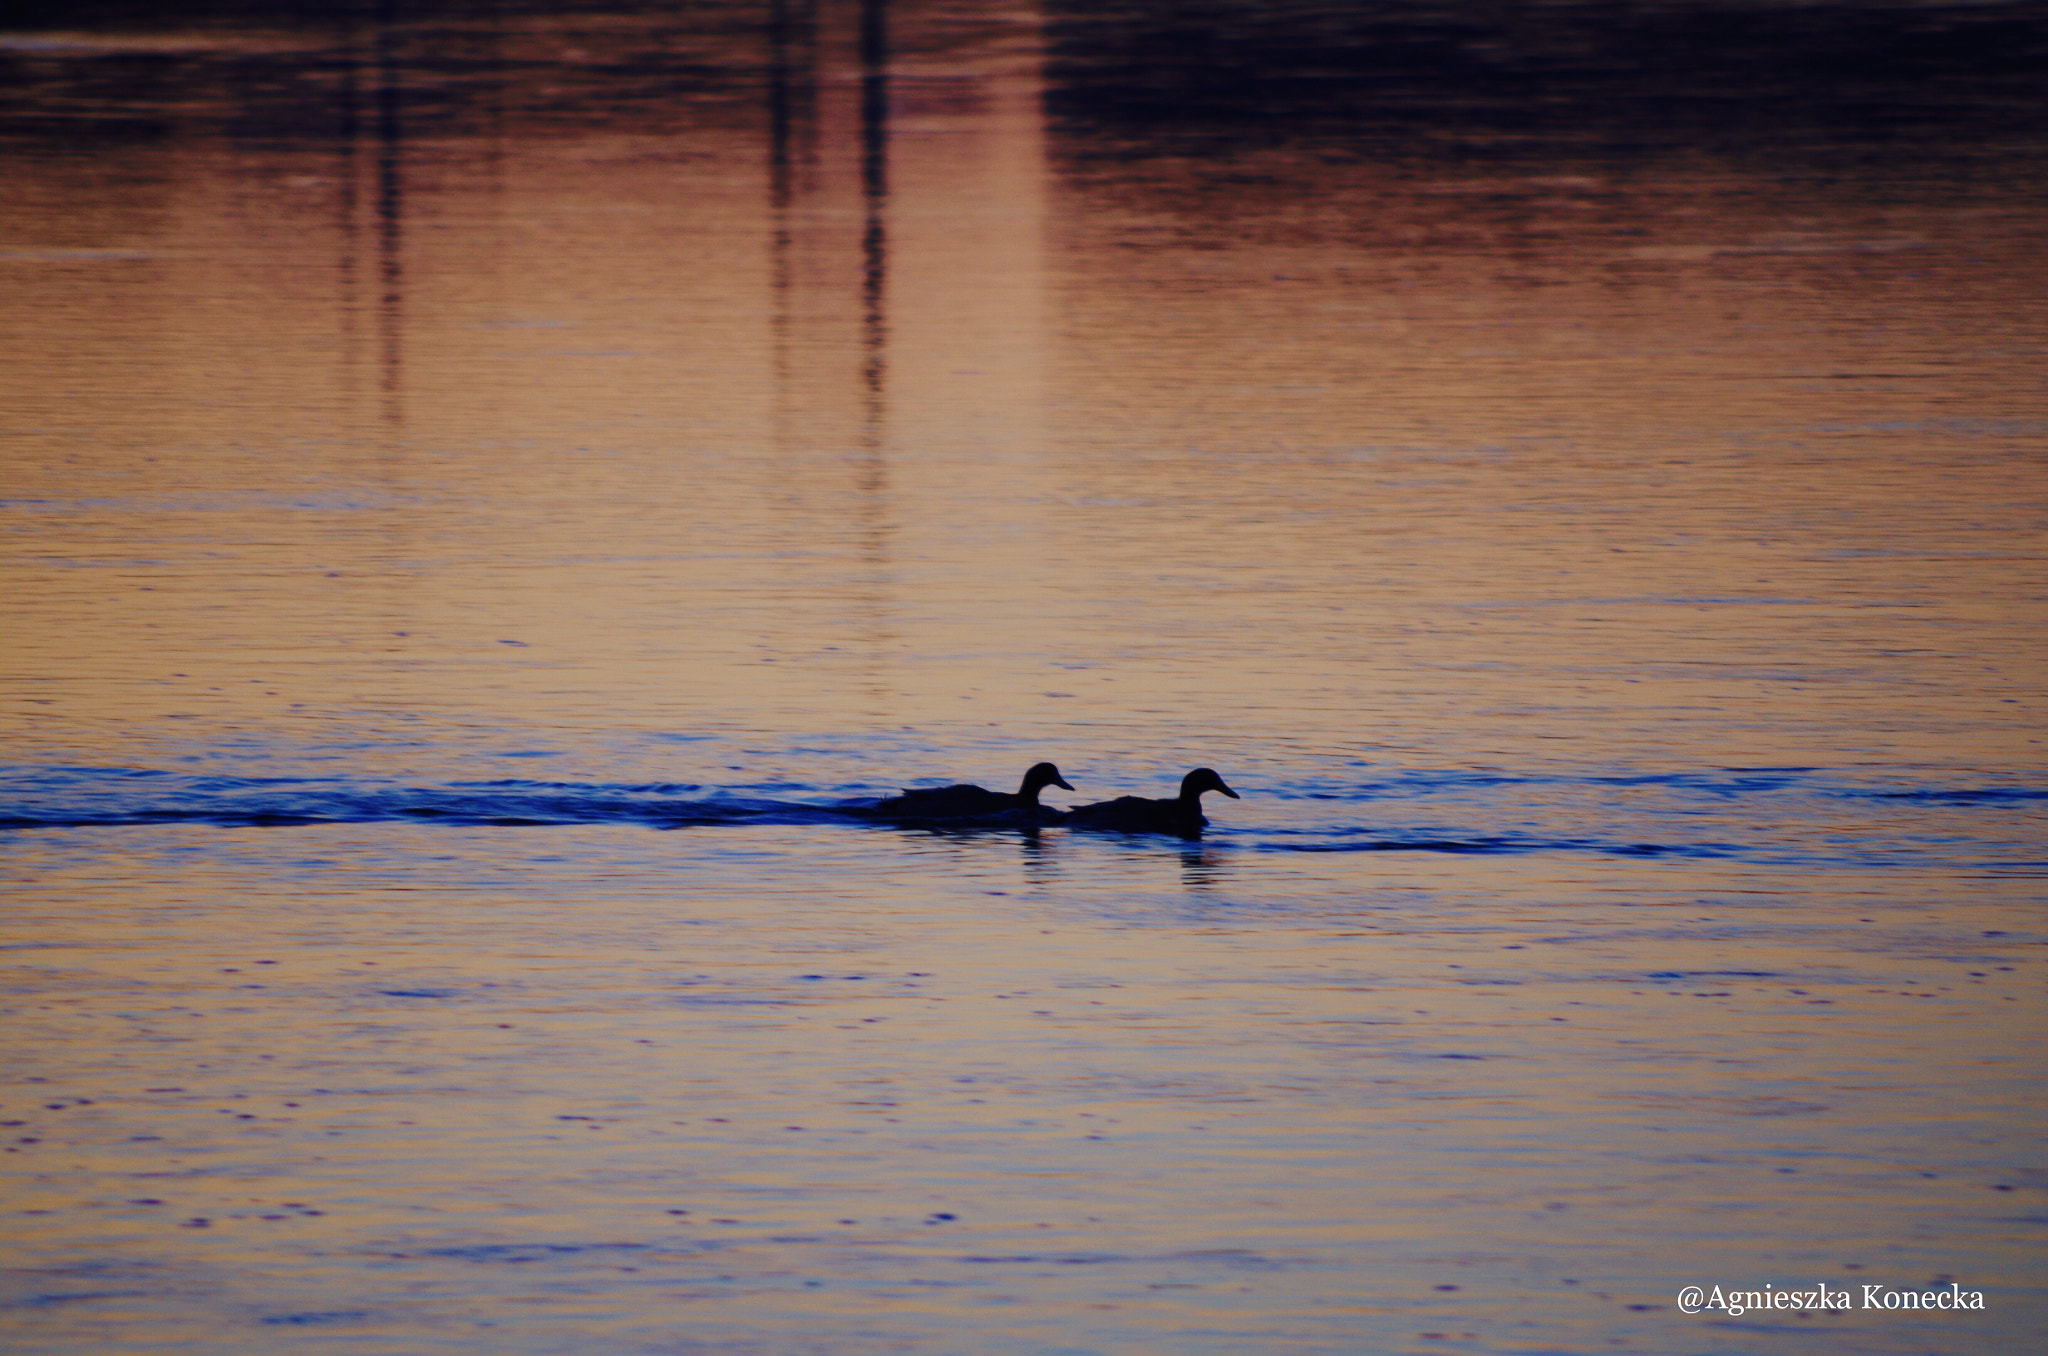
[1135,814]
[973,802]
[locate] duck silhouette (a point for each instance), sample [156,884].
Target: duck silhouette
[1135,814]
[949,803]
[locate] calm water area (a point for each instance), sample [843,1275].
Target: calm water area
[490,487]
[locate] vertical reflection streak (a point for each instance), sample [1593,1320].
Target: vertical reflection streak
[390,209]
[348,129]
[781,117]
[792,152]
[874,254]
[492,233]
[874,182]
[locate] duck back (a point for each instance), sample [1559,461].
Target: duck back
[963,801]
[948,802]
[1136,814]
[1181,814]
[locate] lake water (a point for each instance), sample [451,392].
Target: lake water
[485,481]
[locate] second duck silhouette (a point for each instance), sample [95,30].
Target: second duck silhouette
[1135,814]
[945,804]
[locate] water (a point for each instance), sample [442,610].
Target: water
[489,487]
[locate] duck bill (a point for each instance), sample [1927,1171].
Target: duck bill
[1061,783]
[1226,790]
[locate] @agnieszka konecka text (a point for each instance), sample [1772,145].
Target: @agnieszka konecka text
[1694,1299]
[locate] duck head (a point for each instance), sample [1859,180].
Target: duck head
[1041,775]
[1204,779]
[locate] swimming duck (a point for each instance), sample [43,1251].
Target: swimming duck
[974,802]
[1135,814]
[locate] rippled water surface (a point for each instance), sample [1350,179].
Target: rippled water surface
[493,492]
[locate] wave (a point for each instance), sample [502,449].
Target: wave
[1983,795]
[92,797]
[1508,844]
[1786,816]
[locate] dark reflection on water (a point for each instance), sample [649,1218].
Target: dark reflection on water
[1202,865]
[812,59]
[494,489]
[1487,82]
[874,183]
[1652,76]
[390,214]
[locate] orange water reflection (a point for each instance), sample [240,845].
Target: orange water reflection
[402,392]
